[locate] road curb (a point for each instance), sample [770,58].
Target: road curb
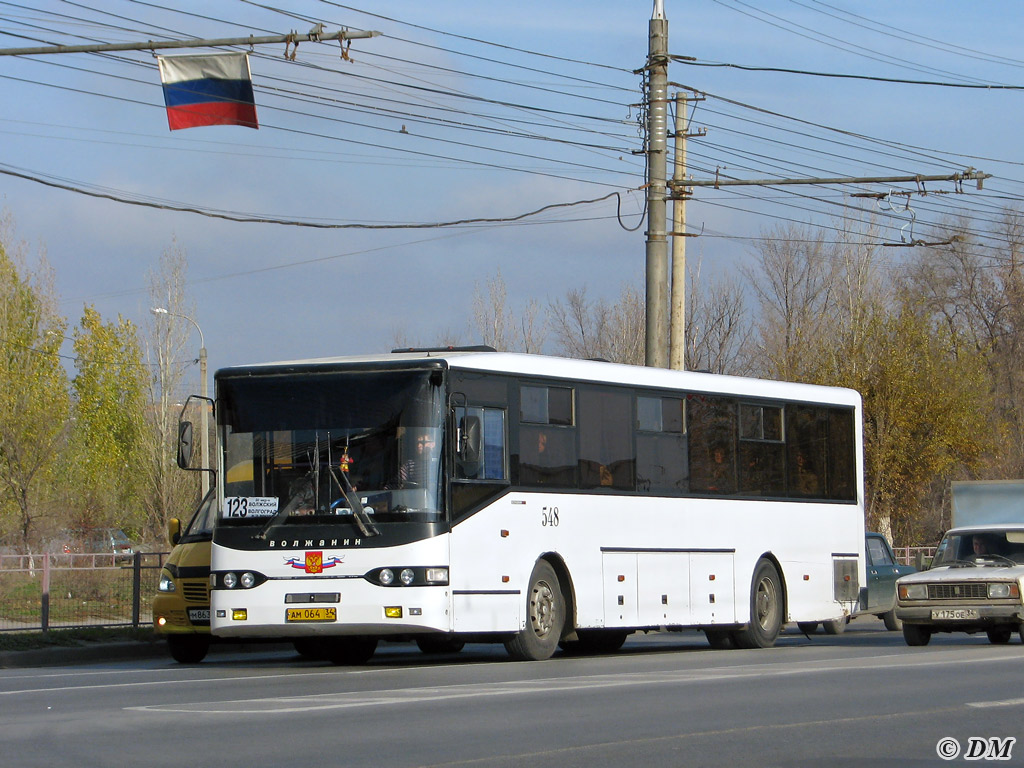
[81,654]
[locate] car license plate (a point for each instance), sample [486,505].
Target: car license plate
[199,615]
[955,614]
[311,614]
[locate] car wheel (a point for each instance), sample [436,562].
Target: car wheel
[835,626]
[999,635]
[892,623]
[916,634]
[188,649]
[766,609]
[720,639]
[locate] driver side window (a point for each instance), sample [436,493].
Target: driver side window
[480,432]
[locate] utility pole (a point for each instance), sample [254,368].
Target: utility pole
[677,343]
[657,334]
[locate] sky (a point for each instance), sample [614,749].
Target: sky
[478,110]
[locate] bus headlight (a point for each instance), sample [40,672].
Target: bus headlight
[386,576]
[407,576]
[247,580]
[437,575]
[230,580]
[913,591]
[166,583]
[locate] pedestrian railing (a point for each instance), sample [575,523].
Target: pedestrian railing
[63,591]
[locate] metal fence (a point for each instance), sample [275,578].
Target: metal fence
[916,556]
[64,591]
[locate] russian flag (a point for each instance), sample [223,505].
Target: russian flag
[212,89]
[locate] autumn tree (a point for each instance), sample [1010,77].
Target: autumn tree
[109,421]
[925,392]
[33,396]
[974,286]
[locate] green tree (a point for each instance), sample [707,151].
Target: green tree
[33,397]
[109,408]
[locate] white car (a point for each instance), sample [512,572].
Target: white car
[974,584]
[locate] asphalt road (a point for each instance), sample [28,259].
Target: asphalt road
[859,699]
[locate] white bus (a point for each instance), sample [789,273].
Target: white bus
[459,495]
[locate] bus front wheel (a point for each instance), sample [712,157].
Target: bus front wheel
[545,617]
[766,609]
[351,650]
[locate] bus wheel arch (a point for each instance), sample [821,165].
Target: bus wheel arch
[547,611]
[767,606]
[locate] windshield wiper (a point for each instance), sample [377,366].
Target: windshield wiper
[363,522]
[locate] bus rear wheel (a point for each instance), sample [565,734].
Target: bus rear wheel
[188,649]
[545,617]
[343,651]
[766,609]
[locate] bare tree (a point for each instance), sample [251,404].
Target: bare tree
[499,326]
[583,328]
[793,282]
[718,328]
[170,491]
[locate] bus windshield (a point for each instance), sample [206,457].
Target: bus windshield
[305,449]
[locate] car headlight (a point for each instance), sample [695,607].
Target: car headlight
[913,591]
[166,583]
[1000,589]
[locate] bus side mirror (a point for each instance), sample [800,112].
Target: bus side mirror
[469,446]
[174,530]
[185,444]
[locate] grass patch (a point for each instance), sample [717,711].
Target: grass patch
[26,641]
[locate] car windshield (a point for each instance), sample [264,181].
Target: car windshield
[300,449]
[981,546]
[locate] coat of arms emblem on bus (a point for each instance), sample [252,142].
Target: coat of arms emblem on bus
[314,562]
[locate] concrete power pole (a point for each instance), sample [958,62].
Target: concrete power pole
[657,338]
[677,346]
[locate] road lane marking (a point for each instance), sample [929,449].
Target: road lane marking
[366,699]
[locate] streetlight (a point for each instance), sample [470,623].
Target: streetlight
[204,425]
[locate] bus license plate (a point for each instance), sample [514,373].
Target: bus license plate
[955,614]
[311,614]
